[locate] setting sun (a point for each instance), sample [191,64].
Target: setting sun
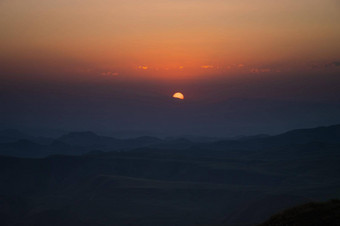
[92,101]
[178,96]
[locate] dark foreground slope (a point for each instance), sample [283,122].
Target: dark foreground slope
[199,185]
[310,214]
[123,190]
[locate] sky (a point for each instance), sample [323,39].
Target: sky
[114,65]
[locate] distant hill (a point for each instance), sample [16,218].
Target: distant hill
[15,143]
[86,180]
[12,135]
[91,140]
[31,149]
[292,143]
[310,214]
[329,134]
[22,148]
[88,138]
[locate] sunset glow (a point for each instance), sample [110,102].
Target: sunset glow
[112,61]
[84,37]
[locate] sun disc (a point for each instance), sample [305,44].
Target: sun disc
[178,95]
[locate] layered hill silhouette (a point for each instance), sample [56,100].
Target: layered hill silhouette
[82,178]
[18,144]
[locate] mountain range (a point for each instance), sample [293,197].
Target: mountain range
[82,178]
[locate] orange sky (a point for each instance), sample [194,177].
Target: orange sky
[168,38]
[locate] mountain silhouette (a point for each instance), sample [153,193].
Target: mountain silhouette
[82,178]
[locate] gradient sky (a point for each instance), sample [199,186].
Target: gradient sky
[56,53]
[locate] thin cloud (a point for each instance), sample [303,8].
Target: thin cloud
[335,64]
[207,66]
[260,70]
[109,73]
[326,65]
